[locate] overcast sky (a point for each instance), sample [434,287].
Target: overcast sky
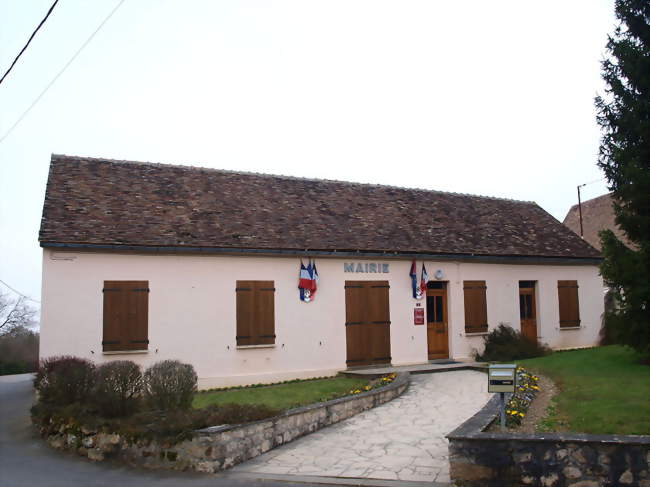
[492,98]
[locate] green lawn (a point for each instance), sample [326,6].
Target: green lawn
[604,390]
[283,396]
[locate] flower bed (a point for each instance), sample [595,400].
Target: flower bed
[376,383]
[520,401]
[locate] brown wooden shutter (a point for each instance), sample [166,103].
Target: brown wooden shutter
[265,312]
[126,315]
[255,313]
[567,292]
[245,292]
[475,306]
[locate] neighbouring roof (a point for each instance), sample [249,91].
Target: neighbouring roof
[99,201]
[597,215]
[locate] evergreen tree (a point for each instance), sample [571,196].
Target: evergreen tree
[624,117]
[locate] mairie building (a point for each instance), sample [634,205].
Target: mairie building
[147,262]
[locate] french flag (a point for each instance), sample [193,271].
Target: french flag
[414,281]
[314,280]
[305,282]
[424,279]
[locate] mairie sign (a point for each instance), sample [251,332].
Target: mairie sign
[366,267]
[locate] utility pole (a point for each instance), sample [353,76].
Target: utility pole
[580,209]
[580,203]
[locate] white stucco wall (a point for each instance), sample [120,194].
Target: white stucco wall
[192,310]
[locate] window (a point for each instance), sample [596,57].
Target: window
[567,292]
[255,313]
[126,315]
[475,307]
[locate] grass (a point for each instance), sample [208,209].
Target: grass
[283,396]
[603,390]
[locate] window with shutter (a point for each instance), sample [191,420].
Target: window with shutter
[126,315]
[255,312]
[567,292]
[475,306]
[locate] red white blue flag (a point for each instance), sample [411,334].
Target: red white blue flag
[417,292]
[315,278]
[307,281]
[424,278]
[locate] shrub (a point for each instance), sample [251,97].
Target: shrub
[118,387]
[505,344]
[64,380]
[170,384]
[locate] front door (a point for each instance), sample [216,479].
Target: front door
[527,312]
[437,331]
[367,322]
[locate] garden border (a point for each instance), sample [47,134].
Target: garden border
[220,447]
[479,458]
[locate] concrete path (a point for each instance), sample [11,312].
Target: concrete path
[401,440]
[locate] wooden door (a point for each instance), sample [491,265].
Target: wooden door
[367,322]
[437,329]
[527,312]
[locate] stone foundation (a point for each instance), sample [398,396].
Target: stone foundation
[221,447]
[477,458]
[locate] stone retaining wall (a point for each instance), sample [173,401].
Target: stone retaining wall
[477,458]
[220,447]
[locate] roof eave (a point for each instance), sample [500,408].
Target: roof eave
[480,258]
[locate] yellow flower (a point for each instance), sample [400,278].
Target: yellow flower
[521,414]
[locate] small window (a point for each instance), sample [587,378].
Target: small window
[567,292]
[526,311]
[255,313]
[436,285]
[475,306]
[526,284]
[126,315]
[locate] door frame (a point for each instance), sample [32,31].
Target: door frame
[445,303]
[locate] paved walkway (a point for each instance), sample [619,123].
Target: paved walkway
[401,440]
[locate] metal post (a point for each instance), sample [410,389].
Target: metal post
[580,210]
[502,395]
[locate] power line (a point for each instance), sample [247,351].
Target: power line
[19,293]
[591,182]
[49,85]
[29,40]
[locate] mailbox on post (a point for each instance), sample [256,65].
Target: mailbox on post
[502,378]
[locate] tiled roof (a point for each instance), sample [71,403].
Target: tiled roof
[597,215]
[99,201]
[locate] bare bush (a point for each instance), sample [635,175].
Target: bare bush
[118,387]
[64,380]
[169,385]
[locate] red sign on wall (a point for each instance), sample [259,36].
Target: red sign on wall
[418,316]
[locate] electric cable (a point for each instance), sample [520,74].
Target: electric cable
[29,40]
[19,293]
[49,85]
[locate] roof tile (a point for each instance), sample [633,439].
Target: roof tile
[99,201]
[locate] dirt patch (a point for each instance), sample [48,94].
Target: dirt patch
[537,410]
